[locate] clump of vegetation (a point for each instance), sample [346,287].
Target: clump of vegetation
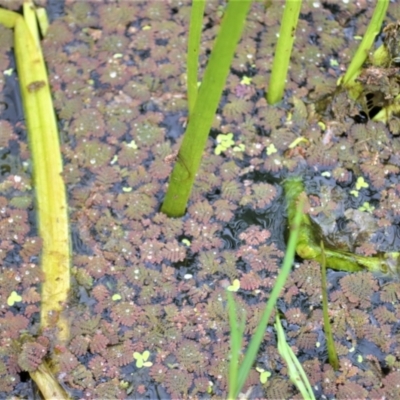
[309,248]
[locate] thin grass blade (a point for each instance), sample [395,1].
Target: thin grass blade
[256,340]
[332,354]
[295,370]
[236,341]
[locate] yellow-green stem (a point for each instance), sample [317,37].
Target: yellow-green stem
[51,204]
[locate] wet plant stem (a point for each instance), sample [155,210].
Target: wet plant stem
[51,201]
[195,28]
[236,333]
[238,374]
[367,41]
[295,370]
[332,354]
[201,118]
[283,51]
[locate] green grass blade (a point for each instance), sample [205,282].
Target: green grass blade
[208,97]
[280,282]
[332,354]
[295,370]
[236,342]
[363,49]
[195,28]
[283,51]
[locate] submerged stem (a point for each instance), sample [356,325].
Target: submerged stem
[332,354]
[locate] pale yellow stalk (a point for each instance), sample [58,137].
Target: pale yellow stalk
[51,204]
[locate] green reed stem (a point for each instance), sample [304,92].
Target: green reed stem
[295,370]
[362,52]
[236,385]
[195,28]
[332,354]
[201,119]
[236,337]
[283,51]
